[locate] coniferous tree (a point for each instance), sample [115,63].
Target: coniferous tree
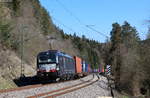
[130,58]
[129,35]
[115,57]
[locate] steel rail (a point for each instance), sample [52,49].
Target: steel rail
[65,88]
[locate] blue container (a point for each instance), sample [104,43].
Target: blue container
[85,66]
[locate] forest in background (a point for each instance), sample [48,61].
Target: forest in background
[125,51]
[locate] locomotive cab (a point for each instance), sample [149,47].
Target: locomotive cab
[47,65]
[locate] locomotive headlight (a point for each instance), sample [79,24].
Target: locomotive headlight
[49,60]
[57,68]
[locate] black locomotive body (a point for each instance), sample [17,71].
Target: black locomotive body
[54,64]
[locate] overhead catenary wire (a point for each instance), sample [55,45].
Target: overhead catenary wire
[96,31]
[63,24]
[67,10]
[78,20]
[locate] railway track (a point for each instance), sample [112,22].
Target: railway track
[65,90]
[69,89]
[20,88]
[31,86]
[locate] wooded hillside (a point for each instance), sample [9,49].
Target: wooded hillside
[128,55]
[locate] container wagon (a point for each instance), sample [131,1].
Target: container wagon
[85,67]
[101,69]
[78,66]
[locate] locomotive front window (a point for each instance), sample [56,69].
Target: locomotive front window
[47,58]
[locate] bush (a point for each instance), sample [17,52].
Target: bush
[6,38]
[43,18]
[5,34]
[16,6]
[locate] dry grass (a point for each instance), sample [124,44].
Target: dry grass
[35,42]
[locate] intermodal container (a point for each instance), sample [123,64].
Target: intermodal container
[89,68]
[84,66]
[78,64]
[101,68]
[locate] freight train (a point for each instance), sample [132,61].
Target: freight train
[54,64]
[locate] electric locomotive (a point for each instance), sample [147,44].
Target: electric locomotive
[54,64]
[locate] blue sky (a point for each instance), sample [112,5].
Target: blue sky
[99,13]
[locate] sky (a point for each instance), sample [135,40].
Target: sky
[73,16]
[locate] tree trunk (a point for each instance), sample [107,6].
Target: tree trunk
[136,86]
